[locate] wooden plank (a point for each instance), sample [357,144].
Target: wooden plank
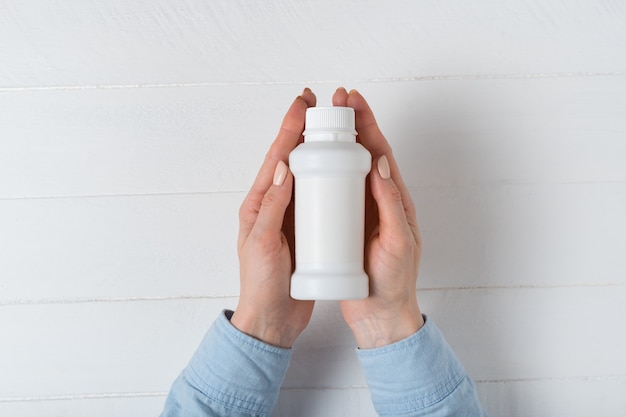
[121,406]
[573,398]
[148,141]
[578,398]
[499,335]
[522,235]
[70,43]
[185,245]
[533,333]
[307,402]
[207,139]
[502,336]
[110,247]
[100,348]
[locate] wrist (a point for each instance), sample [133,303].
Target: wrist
[278,334]
[377,331]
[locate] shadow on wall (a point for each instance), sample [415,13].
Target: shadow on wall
[450,151]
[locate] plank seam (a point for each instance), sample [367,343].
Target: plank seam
[92,396]
[163,194]
[235,192]
[82,300]
[577,74]
[555,379]
[114,395]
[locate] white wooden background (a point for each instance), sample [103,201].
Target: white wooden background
[130,131]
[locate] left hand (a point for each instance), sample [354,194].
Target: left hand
[393,246]
[265,245]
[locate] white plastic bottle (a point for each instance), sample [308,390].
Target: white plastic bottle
[329,169]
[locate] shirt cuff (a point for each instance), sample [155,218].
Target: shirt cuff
[237,371]
[413,374]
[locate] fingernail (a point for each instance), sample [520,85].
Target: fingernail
[383,168]
[306,90]
[280,173]
[341,88]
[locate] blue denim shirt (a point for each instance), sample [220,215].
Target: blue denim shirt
[233,374]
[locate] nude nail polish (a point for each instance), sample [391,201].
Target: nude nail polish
[280,173]
[383,167]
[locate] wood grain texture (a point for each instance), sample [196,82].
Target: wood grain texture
[188,140]
[95,348]
[572,398]
[118,406]
[115,347]
[522,235]
[119,247]
[557,397]
[69,42]
[130,132]
[162,246]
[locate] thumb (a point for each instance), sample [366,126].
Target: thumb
[391,211]
[275,201]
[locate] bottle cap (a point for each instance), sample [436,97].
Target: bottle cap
[329,120]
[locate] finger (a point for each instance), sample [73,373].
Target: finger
[391,210]
[373,139]
[309,97]
[370,135]
[287,139]
[275,201]
[340,98]
[289,135]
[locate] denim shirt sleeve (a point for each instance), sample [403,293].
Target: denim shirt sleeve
[419,376]
[231,374]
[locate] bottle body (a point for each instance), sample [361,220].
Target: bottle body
[329,219]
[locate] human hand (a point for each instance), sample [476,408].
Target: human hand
[392,242]
[265,245]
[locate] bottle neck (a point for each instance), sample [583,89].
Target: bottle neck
[345,137]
